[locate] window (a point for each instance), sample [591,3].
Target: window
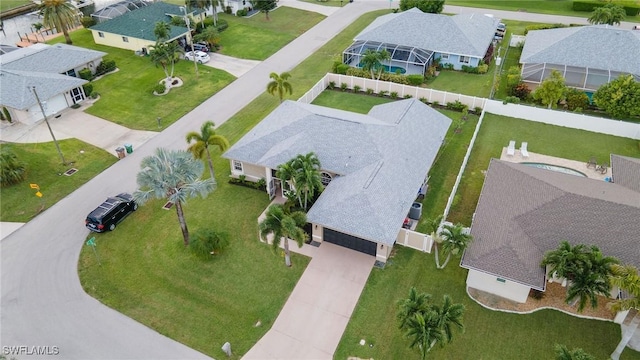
[325,178]
[501,280]
[71,72]
[464,59]
[125,39]
[444,56]
[237,165]
[77,95]
[100,34]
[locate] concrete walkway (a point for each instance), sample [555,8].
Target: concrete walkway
[316,314]
[302,5]
[234,66]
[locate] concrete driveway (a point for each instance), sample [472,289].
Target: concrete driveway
[314,317]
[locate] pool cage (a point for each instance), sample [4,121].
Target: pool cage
[404,59]
[117,9]
[577,77]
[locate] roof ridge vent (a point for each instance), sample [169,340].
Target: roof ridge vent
[373,174]
[404,112]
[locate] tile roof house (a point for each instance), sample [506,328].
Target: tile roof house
[133,30]
[53,70]
[373,165]
[587,56]
[414,39]
[524,212]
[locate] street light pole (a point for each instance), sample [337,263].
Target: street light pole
[193,51]
[33,88]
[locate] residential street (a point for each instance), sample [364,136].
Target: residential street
[42,301]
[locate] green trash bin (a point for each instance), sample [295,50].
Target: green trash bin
[129,148]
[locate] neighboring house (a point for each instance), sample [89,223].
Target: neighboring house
[586,56]
[524,212]
[414,39]
[372,165]
[133,30]
[53,70]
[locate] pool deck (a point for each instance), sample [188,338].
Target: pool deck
[571,164]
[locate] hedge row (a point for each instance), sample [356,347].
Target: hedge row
[630,7]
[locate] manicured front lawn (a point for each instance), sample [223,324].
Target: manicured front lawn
[257,38]
[488,334]
[495,133]
[126,96]
[11,4]
[44,168]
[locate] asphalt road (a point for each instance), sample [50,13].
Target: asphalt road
[42,302]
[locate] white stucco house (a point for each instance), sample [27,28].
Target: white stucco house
[373,165]
[52,70]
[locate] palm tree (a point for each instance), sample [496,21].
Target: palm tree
[564,261]
[609,14]
[563,353]
[416,303]
[307,176]
[279,84]
[210,35]
[59,14]
[448,316]
[287,173]
[175,176]
[203,5]
[205,138]
[591,279]
[626,278]
[423,331]
[372,61]
[165,55]
[162,30]
[283,225]
[454,241]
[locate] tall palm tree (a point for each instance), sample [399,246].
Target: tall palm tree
[454,242]
[372,61]
[59,14]
[563,353]
[285,226]
[610,14]
[416,303]
[287,173]
[204,5]
[423,331]
[627,279]
[448,316]
[308,176]
[175,176]
[205,138]
[591,279]
[565,260]
[161,30]
[166,55]
[279,84]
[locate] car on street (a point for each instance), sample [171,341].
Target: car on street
[199,56]
[111,212]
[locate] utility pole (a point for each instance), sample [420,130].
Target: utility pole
[33,88]
[193,51]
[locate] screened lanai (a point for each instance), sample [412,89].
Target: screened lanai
[578,77]
[117,9]
[405,59]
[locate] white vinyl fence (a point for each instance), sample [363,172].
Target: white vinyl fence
[414,240]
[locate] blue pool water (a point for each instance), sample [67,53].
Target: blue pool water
[391,69]
[555,168]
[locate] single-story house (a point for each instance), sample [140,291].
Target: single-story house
[414,39]
[52,70]
[525,211]
[133,30]
[372,165]
[587,56]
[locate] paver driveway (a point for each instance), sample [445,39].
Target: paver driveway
[312,321]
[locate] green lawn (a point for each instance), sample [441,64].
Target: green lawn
[126,96]
[12,4]
[358,103]
[459,82]
[495,133]
[336,3]
[44,168]
[256,38]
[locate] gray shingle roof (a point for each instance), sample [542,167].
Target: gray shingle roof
[57,58]
[139,23]
[382,159]
[15,87]
[626,171]
[525,211]
[463,34]
[598,47]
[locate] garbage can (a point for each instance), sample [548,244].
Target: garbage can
[129,148]
[120,152]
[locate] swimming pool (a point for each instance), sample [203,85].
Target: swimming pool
[555,168]
[392,69]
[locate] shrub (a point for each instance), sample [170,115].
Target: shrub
[242,178]
[85,74]
[512,100]
[423,100]
[12,170]
[242,12]
[447,66]
[262,183]
[415,80]
[536,294]
[105,66]
[393,95]
[160,88]
[222,25]
[344,86]
[342,69]
[576,99]
[630,8]
[75,106]
[408,96]
[470,69]
[332,85]
[88,88]
[383,93]
[207,242]
[543,27]
[456,106]
[477,110]
[369,91]
[483,68]
[435,104]
[87,21]
[521,91]
[228,10]
[94,95]
[356,88]
[513,78]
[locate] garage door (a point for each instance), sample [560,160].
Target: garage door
[351,242]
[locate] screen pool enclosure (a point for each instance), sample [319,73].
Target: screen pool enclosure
[404,59]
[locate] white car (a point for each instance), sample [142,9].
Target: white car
[201,57]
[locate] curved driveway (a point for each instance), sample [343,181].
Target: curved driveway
[42,302]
